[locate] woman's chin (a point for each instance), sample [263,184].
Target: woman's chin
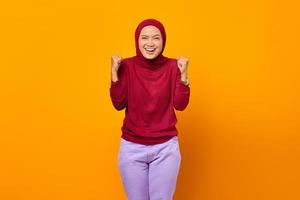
[149,57]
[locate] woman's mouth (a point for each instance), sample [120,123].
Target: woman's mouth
[150,50]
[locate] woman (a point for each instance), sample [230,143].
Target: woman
[149,86]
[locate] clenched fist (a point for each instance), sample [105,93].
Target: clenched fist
[115,63]
[182,63]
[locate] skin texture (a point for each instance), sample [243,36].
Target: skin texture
[150,37]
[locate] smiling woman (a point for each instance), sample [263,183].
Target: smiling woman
[149,86]
[150,42]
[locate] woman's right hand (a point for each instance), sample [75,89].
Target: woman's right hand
[115,63]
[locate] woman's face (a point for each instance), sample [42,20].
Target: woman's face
[150,42]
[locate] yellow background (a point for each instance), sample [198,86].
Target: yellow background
[239,136]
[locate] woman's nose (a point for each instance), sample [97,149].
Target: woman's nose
[150,42]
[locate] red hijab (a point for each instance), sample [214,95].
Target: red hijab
[139,58]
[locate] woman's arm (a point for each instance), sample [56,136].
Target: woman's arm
[118,87]
[182,89]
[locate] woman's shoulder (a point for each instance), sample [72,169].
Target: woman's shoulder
[127,63]
[128,60]
[173,63]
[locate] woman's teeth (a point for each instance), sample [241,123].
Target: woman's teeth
[150,49]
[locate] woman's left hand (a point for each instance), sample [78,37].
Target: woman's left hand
[182,63]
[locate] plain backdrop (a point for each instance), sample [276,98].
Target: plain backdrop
[59,133]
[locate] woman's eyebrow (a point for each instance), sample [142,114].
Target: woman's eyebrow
[152,36]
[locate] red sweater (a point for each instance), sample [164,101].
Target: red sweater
[149,98]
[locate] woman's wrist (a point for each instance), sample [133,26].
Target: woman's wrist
[184,79]
[184,76]
[114,76]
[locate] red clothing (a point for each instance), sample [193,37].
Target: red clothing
[149,97]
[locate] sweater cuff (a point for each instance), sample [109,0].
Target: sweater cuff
[185,85]
[114,82]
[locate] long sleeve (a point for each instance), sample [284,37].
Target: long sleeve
[118,89]
[181,94]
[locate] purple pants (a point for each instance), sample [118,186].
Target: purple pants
[149,172]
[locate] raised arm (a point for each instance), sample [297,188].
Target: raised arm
[118,87]
[182,89]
